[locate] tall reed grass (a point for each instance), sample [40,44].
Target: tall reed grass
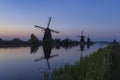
[93,67]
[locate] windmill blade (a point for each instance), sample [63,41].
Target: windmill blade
[53,56]
[82,33]
[80,36]
[54,31]
[49,22]
[48,64]
[36,60]
[40,27]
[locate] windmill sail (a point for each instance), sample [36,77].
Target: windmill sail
[40,27]
[54,31]
[49,22]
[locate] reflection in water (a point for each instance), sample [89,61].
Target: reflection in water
[81,49]
[17,63]
[34,49]
[47,49]
[88,46]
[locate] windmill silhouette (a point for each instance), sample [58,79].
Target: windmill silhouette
[47,31]
[88,40]
[82,38]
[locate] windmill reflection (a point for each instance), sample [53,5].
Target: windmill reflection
[82,48]
[47,49]
[88,46]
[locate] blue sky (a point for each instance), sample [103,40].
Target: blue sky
[98,18]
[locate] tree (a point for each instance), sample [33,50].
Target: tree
[34,40]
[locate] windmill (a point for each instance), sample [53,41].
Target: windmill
[82,40]
[114,41]
[47,31]
[88,40]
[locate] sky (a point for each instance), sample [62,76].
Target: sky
[98,18]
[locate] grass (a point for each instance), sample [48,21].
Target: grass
[97,66]
[115,68]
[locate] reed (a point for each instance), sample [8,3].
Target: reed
[93,67]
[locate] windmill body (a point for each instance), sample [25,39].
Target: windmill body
[82,38]
[47,34]
[47,31]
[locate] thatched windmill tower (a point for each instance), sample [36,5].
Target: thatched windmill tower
[47,31]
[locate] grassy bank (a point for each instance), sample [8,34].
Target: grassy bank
[115,68]
[95,67]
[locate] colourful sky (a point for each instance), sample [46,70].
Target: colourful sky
[98,18]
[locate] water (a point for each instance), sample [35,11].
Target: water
[26,63]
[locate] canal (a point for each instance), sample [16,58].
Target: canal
[29,63]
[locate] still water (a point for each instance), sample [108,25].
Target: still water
[29,63]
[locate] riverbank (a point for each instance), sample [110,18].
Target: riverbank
[101,65]
[97,66]
[115,62]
